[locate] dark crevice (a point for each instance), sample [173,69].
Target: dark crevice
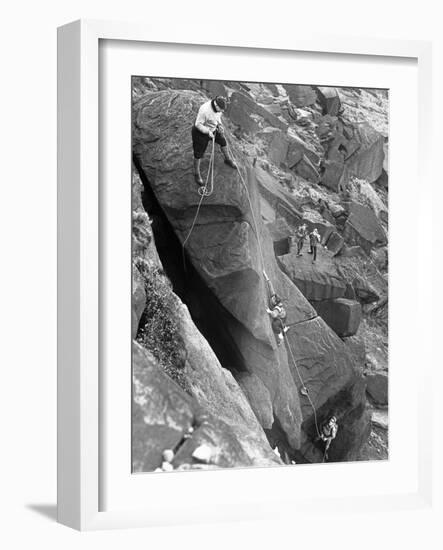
[213,320]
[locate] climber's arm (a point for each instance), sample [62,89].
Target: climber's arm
[270,285]
[200,121]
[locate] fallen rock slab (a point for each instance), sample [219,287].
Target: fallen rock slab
[329,100]
[380,418]
[249,116]
[377,387]
[335,242]
[341,314]
[362,228]
[300,96]
[367,162]
[281,235]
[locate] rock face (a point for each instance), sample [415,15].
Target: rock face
[162,411]
[320,281]
[217,392]
[165,417]
[228,250]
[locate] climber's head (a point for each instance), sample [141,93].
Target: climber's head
[220,103]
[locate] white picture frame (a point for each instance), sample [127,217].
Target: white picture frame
[79,256]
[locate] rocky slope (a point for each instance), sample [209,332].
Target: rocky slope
[297,161]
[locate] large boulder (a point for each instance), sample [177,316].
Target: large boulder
[366,193]
[363,228]
[281,235]
[335,242]
[229,248]
[282,202]
[275,144]
[332,173]
[300,96]
[298,148]
[377,386]
[329,100]
[341,314]
[367,162]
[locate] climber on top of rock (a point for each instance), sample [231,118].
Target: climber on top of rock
[300,237]
[314,240]
[276,311]
[208,126]
[328,433]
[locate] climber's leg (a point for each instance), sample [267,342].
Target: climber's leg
[221,140]
[328,444]
[299,247]
[199,143]
[197,175]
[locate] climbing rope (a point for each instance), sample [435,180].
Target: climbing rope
[250,205]
[205,192]
[304,389]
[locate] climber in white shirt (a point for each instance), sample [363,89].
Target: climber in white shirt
[208,126]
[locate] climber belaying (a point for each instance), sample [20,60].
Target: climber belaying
[328,433]
[314,240]
[300,237]
[208,126]
[276,311]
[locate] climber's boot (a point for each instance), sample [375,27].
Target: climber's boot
[228,159]
[197,175]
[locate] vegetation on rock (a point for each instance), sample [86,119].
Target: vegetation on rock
[159,331]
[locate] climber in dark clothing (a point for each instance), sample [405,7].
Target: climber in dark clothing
[300,237]
[328,433]
[208,126]
[314,240]
[276,311]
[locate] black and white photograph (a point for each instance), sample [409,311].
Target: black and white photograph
[259,274]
